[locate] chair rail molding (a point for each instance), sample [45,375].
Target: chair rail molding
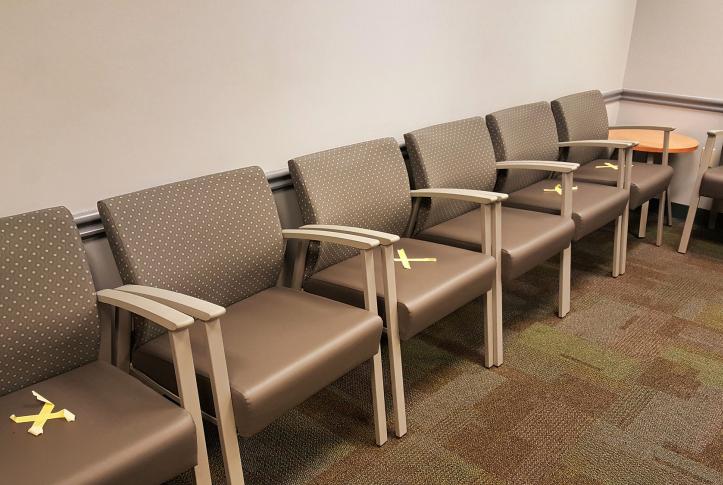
[89,224]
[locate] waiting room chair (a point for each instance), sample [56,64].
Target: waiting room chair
[97,424]
[218,239]
[459,154]
[364,189]
[708,183]
[528,132]
[583,116]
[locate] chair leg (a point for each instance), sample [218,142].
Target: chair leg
[688,227]
[670,208]
[380,416]
[642,228]
[624,240]
[661,219]
[188,394]
[489,329]
[563,306]
[221,390]
[714,210]
[617,246]
[393,342]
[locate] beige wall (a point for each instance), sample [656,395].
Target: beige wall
[102,97]
[675,49]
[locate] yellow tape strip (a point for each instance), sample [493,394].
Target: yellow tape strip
[558,189]
[45,414]
[405,260]
[607,165]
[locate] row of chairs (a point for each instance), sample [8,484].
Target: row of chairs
[492,199]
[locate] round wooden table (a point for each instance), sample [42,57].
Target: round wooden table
[651,142]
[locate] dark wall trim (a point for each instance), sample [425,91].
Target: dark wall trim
[665,99]
[89,222]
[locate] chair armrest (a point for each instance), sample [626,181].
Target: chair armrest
[351,240]
[715,132]
[384,238]
[478,196]
[195,307]
[548,166]
[158,313]
[641,127]
[599,143]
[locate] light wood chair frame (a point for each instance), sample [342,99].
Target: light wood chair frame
[664,196]
[490,204]
[210,315]
[707,158]
[176,323]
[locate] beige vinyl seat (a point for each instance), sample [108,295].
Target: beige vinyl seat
[459,154]
[583,116]
[213,247]
[708,183]
[364,189]
[123,431]
[528,132]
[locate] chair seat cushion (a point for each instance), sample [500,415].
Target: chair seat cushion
[528,237]
[426,293]
[712,183]
[593,205]
[282,346]
[648,180]
[124,432]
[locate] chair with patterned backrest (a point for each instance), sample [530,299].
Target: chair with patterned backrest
[708,183]
[583,116]
[529,133]
[97,423]
[211,247]
[459,154]
[364,189]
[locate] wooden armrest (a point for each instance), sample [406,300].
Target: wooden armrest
[197,308]
[549,166]
[641,127]
[158,313]
[599,143]
[351,240]
[384,238]
[477,196]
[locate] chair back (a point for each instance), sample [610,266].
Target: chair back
[526,132]
[582,116]
[458,155]
[49,320]
[364,185]
[216,237]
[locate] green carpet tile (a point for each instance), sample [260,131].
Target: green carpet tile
[627,389]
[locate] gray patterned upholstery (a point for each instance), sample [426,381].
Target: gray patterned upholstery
[582,116]
[458,154]
[48,313]
[526,132]
[364,185]
[217,238]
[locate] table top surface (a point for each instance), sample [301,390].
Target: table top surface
[651,141]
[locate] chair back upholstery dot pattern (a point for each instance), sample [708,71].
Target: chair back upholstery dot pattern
[457,155]
[48,313]
[526,132]
[364,185]
[216,237]
[582,116]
